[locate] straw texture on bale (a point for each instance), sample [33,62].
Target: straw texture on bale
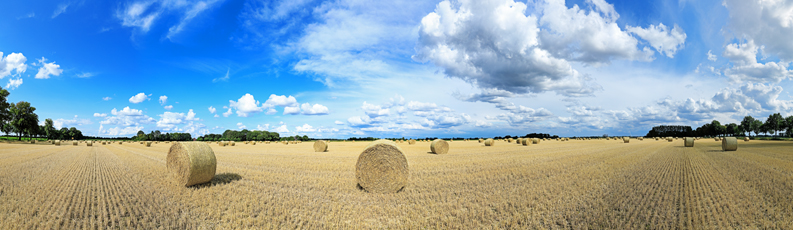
[57,142]
[689,141]
[525,142]
[626,139]
[490,142]
[729,144]
[191,163]
[746,139]
[148,144]
[320,146]
[382,168]
[439,146]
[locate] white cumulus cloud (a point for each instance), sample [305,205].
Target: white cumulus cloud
[315,109]
[245,106]
[138,98]
[48,69]
[14,64]
[163,99]
[662,39]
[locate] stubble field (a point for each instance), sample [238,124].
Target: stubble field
[596,184]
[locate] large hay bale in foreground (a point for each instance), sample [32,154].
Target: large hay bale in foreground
[191,163]
[57,142]
[746,139]
[689,142]
[320,146]
[729,144]
[382,168]
[490,142]
[148,144]
[439,146]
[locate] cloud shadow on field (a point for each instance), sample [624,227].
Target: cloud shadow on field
[220,179]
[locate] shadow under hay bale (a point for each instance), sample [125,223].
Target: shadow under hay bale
[219,179]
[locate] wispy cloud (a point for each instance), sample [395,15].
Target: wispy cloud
[29,15]
[60,9]
[224,78]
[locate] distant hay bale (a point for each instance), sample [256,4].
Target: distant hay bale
[640,138]
[320,146]
[411,142]
[535,141]
[669,139]
[191,163]
[141,142]
[439,146]
[746,139]
[525,142]
[89,143]
[232,143]
[716,139]
[519,141]
[729,144]
[286,143]
[626,139]
[481,140]
[689,141]
[490,142]
[148,144]
[382,168]
[57,142]
[509,140]
[74,143]
[119,143]
[253,143]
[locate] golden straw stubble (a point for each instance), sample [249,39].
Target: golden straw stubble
[320,146]
[382,168]
[191,163]
[439,146]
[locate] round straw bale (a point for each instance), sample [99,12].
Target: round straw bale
[320,146]
[439,146]
[411,142]
[519,141]
[640,138]
[382,168]
[669,139]
[148,144]
[729,144]
[626,139]
[74,143]
[89,143]
[716,139]
[490,142]
[689,142]
[509,140]
[232,143]
[253,143]
[525,142]
[119,143]
[57,142]
[191,162]
[746,139]
[535,141]
[481,140]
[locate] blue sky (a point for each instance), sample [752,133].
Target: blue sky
[396,68]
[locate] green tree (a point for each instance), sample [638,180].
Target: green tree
[732,129]
[775,123]
[49,130]
[789,126]
[746,123]
[5,114]
[756,125]
[717,128]
[24,119]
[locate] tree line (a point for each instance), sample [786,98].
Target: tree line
[21,118]
[248,135]
[775,124]
[159,136]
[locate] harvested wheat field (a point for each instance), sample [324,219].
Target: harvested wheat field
[596,184]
